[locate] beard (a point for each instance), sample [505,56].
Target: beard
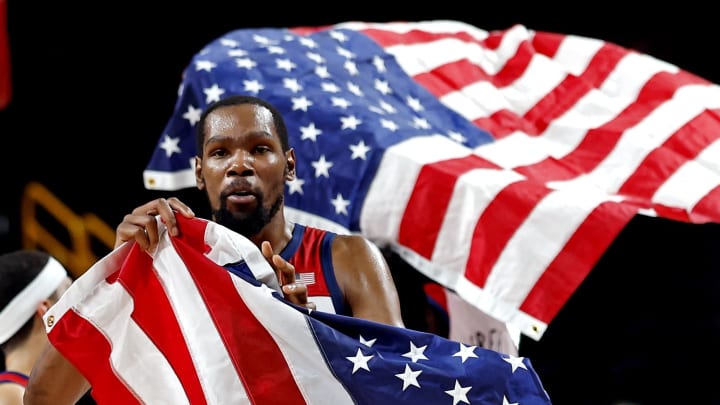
[247,224]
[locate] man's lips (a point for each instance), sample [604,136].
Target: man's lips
[241,198]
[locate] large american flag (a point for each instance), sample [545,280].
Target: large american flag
[501,164]
[178,328]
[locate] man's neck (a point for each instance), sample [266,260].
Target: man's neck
[278,232]
[22,358]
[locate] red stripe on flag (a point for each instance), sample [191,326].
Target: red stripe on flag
[154,314]
[674,213]
[683,146]
[564,96]
[502,123]
[73,336]
[389,38]
[307,30]
[451,77]
[547,43]
[706,210]
[463,72]
[256,357]
[602,64]
[569,268]
[497,224]
[447,79]
[514,67]
[559,100]
[494,39]
[599,142]
[426,207]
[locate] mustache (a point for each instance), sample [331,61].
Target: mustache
[238,186]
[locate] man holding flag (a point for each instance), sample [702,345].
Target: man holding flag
[243,164]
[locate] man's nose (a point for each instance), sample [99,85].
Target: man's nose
[242,163]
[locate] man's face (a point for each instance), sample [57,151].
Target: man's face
[243,167]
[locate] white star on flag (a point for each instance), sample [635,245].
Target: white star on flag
[416,353]
[367,343]
[170,145]
[459,393]
[515,362]
[360,361]
[409,377]
[465,352]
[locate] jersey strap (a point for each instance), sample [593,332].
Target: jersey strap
[13,377]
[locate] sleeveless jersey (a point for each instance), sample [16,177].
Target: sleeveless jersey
[310,251]
[13,377]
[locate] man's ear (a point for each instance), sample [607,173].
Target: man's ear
[290,165]
[199,181]
[43,307]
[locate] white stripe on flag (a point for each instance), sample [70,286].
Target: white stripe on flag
[473,192]
[207,349]
[132,350]
[575,53]
[634,145]
[537,242]
[388,196]
[687,185]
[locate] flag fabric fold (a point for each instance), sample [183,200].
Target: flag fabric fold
[500,164]
[178,328]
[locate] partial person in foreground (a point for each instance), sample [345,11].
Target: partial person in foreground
[31,281]
[244,160]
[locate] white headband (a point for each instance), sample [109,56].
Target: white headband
[23,306]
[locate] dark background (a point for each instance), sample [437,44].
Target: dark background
[95,83]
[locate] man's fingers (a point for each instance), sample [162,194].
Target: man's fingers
[285,273]
[141,225]
[166,209]
[267,252]
[174,206]
[141,228]
[297,294]
[295,289]
[285,269]
[180,207]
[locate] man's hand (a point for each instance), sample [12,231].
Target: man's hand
[142,226]
[285,273]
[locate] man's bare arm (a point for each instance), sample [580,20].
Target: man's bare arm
[54,381]
[366,281]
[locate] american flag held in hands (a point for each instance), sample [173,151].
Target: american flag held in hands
[178,328]
[501,164]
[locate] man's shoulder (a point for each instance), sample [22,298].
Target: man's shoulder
[350,238]
[342,243]
[353,245]
[312,227]
[309,230]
